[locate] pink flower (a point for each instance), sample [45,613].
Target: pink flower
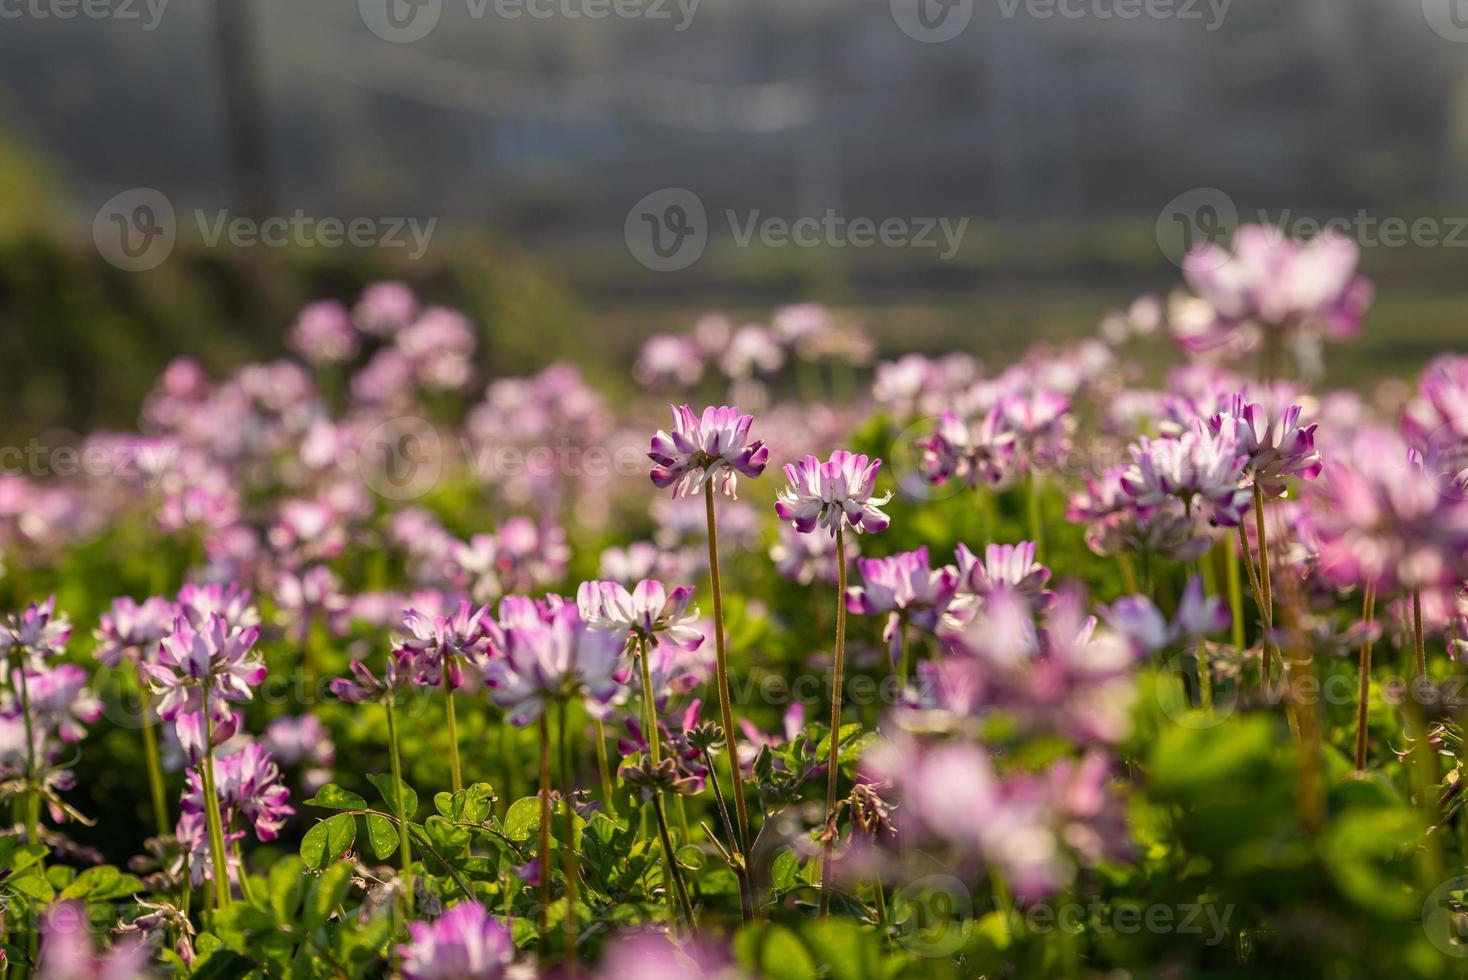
[822,494]
[1041,422]
[465,943]
[647,610]
[669,360]
[384,308]
[438,643]
[69,953]
[908,589]
[39,632]
[1145,625]
[807,558]
[1274,450]
[552,658]
[59,699]
[1009,567]
[130,630]
[715,446]
[976,455]
[1272,283]
[217,659]
[1196,465]
[323,333]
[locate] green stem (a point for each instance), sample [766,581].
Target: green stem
[448,700]
[837,671]
[654,737]
[32,810]
[1037,519]
[404,846]
[1420,644]
[1266,586]
[239,856]
[1235,594]
[1368,604]
[568,851]
[542,914]
[602,769]
[667,841]
[211,816]
[726,710]
[155,770]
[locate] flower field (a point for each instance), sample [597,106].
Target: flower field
[375,661]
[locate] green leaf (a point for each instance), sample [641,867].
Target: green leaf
[775,952]
[32,885]
[333,797]
[449,840]
[328,840]
[223,964]
[469,805]
[382,836]
[102,884]
[384,784]
[523,819]
[325,895]
[286,884]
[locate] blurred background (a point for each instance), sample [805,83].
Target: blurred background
[1076,138]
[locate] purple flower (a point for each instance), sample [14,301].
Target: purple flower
[1435,422]
[821,494]
[197,603]
[908,589]
[216,659]
[807,558]
[1383,520]
[553,658]
[384,308]
[364,686]
[652,956]
[130,631]
[647,610]
[715,446]
[39,632]
[1272,283]
[668,360]
[323,333]
[438,643]
[1009,567]
[465,943]
[1196,465]
[1136,618]
[976,455]
[69,953]
[1041,422]
[1275,450]
[249,787]
[314,593]
[59,699]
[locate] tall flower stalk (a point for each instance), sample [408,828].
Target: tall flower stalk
[1363,694]
[700,451]
[833,495]
[128,633]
